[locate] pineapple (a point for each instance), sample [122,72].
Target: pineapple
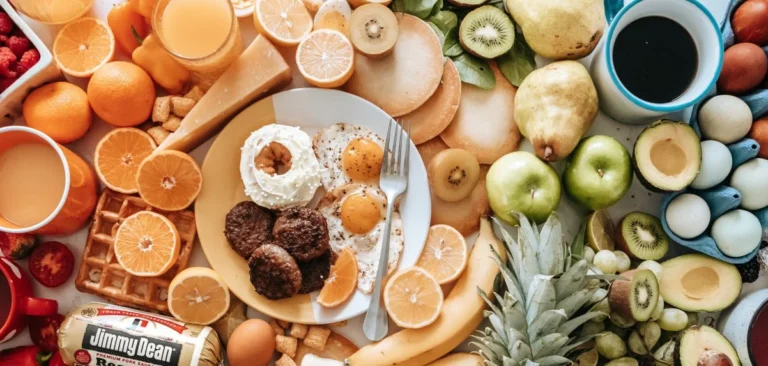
[532,321]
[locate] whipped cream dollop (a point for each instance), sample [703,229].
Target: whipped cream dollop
[295,187]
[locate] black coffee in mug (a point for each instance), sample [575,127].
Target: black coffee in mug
[655,59]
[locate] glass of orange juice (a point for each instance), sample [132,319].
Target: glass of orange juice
[45,188]
[203,35]
[53,11]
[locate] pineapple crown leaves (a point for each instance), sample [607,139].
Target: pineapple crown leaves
[531,321]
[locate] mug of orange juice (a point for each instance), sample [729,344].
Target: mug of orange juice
[44,187]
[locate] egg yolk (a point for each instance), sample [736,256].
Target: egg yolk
[360,213]
[362,159]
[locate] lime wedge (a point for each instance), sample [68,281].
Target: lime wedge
[600,231]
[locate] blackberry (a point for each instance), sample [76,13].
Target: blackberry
[763,244]
[749,271]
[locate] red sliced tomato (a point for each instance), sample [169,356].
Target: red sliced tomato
[51,263]
[42,330]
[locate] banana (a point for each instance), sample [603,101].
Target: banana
[462,313]
[459,359]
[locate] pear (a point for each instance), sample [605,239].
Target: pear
[560,29]
[554,106]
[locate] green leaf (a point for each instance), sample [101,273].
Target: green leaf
[475,71]
[445,20]
[440,35]
[419,8]
[572,280]
[438,7]
[577,247]
[398,6]
[518,62]
[452,47]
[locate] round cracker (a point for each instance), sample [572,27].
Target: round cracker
[437,113]
[485,122]
[404,80]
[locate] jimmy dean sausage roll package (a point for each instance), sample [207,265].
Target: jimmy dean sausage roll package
[99,334]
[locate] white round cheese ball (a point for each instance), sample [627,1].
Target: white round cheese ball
[725,118]
[737,233]
[716,163]
[688,216]
[751,180]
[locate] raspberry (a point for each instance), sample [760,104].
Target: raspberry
[6,83]
[29,59]
[19,45]
[3,40]
[7,63]
[6,24]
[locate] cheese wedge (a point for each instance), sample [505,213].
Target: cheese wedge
[259,71]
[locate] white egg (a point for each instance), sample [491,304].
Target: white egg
[716,162]
[737,233]
[725,118]
[751,180]
[688,216]
[349,154]
[355,215]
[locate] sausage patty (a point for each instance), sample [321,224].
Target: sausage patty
[303,232]
[274,273]
[315,272]
[247,227]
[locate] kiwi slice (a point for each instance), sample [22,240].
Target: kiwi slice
[641,236]
[487,32]
[373,30]
[453,174]
[637,298]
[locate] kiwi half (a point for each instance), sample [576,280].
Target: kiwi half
[487,32]
[641,236]
[453,174]
[637,298]
[373,30]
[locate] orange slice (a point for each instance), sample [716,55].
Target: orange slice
[284,22]
[445,253]
[325,58]
[147,244]
[81,47]
[198,295]
[118,156]
[169,180]
[341,282]
[413,298]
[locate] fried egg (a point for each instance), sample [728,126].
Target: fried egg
[355,214]
[350,154]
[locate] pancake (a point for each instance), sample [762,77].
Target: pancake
[485,122]
[405,79]
[436,114]
[429,149]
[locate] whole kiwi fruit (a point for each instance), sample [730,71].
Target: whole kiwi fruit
[453,174]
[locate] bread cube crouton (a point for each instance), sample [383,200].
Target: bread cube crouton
[285,361]
[195,93]
[316,337]
[181,106]
[173,123]
[286,345]
[162,109]
[159,134]
[299,330]
[276,327]
[338,324]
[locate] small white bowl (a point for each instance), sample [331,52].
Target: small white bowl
[44,71]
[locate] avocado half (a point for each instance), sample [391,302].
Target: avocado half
[696,282]
[700,338]
[667,156]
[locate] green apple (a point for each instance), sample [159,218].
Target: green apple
[598,172]
[520,182]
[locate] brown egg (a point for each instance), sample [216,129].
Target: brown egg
[750,22]
[759,133]
[251,344]
[744,67]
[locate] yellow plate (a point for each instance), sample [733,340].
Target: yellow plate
[311,109]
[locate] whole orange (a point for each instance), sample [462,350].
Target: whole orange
[122,94]
[60,110]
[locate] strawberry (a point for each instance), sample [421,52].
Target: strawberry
[28,59]
[6,24]
[7,63]
[18,45]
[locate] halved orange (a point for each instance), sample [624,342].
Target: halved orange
[326,58]
[169,180]
[341,282]
[445,253]
[81,47]
[284,22]
[198,295]
[413,298]
[147,244]
[118,155]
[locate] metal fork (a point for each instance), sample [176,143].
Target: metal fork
[393,181]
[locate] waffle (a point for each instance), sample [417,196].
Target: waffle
[101,274]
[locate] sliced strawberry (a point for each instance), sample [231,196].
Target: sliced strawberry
[42,330]
[51,263]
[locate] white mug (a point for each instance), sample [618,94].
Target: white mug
[618,102]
